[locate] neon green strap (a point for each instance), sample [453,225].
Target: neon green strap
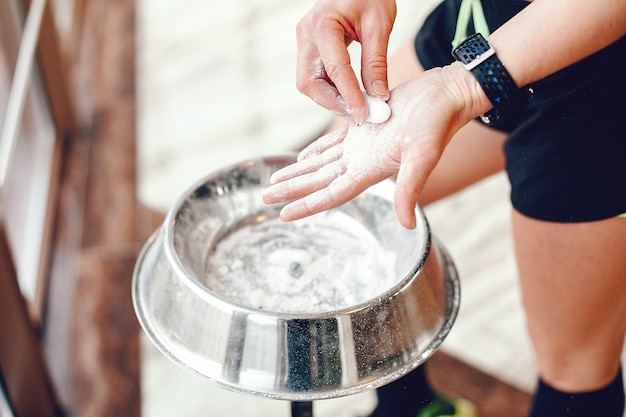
[473,8]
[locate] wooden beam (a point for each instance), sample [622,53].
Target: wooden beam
[56,73]
[91,332]
[22,365]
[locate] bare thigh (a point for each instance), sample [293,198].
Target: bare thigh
[573,279]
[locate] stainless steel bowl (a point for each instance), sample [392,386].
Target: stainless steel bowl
[328,306]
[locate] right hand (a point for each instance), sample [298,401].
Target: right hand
[324,72]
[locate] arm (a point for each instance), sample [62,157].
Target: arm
[549,35]
[545,37]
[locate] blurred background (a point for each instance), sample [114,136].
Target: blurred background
[110,109]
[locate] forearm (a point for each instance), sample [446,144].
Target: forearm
[550,35]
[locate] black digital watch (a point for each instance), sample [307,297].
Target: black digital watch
[478,57]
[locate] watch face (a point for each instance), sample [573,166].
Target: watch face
[471,48]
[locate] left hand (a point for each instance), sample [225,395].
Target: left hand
[426,112]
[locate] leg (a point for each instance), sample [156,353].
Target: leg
[573,280]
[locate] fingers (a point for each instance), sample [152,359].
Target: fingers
[312,80]
[414,170]
[306,166]
[404,201]
[334,54]
[374,59]
[324,72]
[318,165]
[303,185]
[338,192]
[315,156]
[324,143]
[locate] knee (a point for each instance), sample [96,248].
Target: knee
[579,365]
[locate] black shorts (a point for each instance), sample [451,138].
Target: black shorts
[565,153]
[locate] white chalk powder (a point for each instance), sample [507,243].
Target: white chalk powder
[379,110]
[320,263]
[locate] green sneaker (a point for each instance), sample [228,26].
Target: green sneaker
[448,407]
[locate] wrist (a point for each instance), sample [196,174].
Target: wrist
[468,90]
[479,58]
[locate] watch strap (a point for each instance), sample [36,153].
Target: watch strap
[478,57]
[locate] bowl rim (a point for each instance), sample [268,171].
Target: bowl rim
[452,284]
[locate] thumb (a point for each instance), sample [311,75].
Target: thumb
[405,198]
[374,67]
[417,164]
[374,39]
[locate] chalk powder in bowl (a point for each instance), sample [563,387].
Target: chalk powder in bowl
[321,263]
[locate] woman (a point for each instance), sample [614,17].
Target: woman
[563,145]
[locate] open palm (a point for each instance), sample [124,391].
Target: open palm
[341,165]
